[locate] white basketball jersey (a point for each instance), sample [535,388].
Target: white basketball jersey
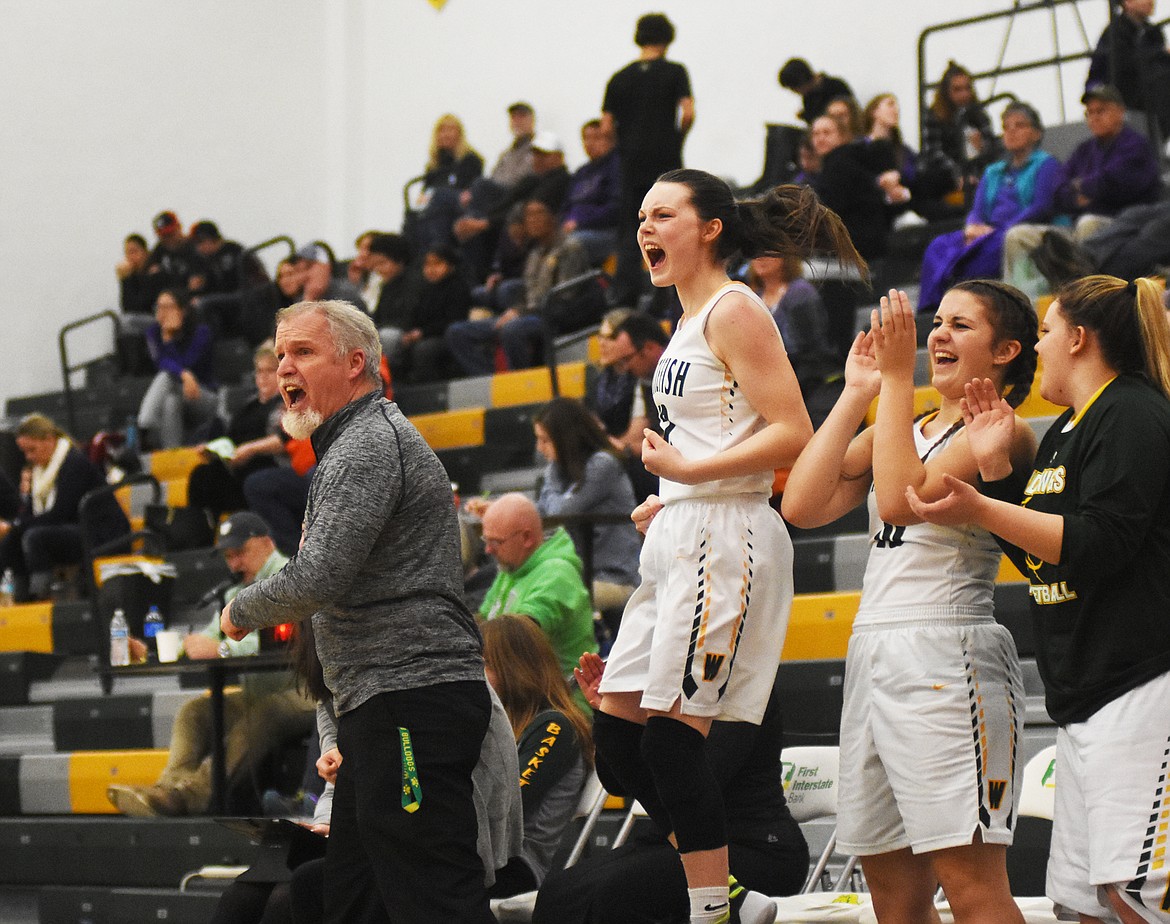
[921,571]
[701,408]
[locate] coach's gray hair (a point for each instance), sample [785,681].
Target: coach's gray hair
[350,327]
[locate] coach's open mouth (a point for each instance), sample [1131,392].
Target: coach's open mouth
[293,394]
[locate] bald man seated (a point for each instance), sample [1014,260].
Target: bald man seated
[538,577]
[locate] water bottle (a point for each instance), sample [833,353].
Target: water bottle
[8,588]
[131,435]
[119,640]
[150,628]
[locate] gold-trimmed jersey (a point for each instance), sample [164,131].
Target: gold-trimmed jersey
[921,571]
[701,409]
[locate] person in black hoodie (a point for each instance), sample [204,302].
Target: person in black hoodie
[849,186]
[443,298]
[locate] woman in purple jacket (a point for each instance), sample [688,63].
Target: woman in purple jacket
[182,395]
[1019,188]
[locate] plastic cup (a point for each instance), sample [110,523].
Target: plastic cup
[170,643]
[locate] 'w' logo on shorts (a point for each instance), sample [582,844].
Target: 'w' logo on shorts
[711,665]
[995,791]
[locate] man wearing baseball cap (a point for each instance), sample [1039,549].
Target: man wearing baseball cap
[174,259]
[265,711]
[1113,169]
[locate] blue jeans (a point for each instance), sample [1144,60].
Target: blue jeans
[472,343]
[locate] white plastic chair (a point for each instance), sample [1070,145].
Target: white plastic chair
[811,777]
[1038,790]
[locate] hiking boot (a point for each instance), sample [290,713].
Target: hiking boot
[146,801]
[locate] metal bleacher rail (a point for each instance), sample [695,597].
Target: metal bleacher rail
[1055,62]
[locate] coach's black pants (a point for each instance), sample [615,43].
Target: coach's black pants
[385,863]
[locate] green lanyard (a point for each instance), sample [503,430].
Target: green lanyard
[411,787]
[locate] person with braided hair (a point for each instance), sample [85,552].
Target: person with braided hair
[701,636]
[1090,527]
[928,670]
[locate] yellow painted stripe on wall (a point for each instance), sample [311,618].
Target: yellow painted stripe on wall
[451,429]
[820,625]
[27,627]
[90,772]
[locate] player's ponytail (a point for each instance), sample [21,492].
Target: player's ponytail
[1129,321]
[787,221]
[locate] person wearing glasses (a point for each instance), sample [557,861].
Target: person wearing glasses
[637,343]
[538,577]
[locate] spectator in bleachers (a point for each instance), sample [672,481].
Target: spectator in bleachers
[611,392]
[638,345]
[584,476]
[808,160]
[649,108]
[221,260]
[816,90]
[846,110]
[442,300]
[548,181]
[957,137]
[849,186]
[554,743]
[137,287]
[319,282]
[515,161]
[1141,69]
[907,182]
[174,259]
[390,292]
[504,286]
[1020,188]
[643,879]
[552,259]
[894,160]
[10,496]
[452,166]
[279,494]
[45,533]
[259,304]
[538,577]
[264,713]
[355,269]
[1110,171]
[182,396]
[217,485]
[453,163]
[800,315]
[594,197]
[225,272]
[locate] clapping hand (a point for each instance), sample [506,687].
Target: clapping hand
[588,672]
[990,423]
[895,336]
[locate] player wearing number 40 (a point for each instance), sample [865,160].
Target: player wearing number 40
[926,601]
